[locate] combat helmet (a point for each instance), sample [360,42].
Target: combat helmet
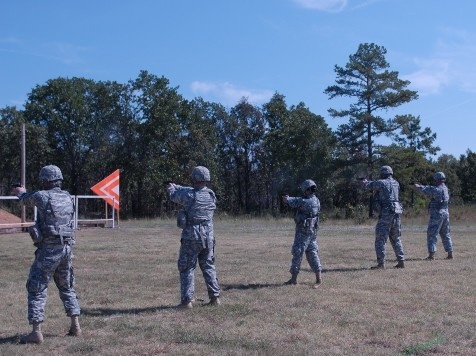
[386,170]
[200,174]
[307,184]
[50,173]
[439,176]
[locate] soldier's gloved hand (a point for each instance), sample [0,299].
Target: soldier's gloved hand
[18,190]
[169,184]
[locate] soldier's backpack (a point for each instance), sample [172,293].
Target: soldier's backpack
[58,217]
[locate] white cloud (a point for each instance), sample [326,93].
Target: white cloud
[431,77]
[10,40]
[451,64]
[228,94]
[66,52]
[323,5]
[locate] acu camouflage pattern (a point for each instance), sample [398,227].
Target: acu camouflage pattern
[51,261]
[197,240]
[53,257]
[305,237]
[388,224]
[439,223]
[50,173]
[200,174]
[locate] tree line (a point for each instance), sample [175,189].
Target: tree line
[255,153]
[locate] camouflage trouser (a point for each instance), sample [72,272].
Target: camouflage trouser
[388,227]
[51,261]
[439,225]
[190,252]
[305,243]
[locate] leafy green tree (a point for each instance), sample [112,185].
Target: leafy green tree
[11,122]
[275,169]
[201,143]
[154,123]
[197,144]
[466,172]
[408,156]
[76,114]
[411,135]
[410,166]
[240,138]
[449,165]
[367,80]
[300,146]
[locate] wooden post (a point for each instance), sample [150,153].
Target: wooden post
[23,168]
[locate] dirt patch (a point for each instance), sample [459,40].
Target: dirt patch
[8,222]
[7,218]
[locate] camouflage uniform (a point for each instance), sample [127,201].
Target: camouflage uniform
[439,215]
[305,237]
[388,224]
[197,241]
[53,257]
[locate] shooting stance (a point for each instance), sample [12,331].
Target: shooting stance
[306,218]
[439,215]
[53,237]
[197,241]
[388,225]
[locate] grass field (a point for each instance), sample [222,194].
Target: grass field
[127,281]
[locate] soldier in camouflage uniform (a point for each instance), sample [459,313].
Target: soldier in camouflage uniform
[306,218]
[197,241]
[53,237]
[439,215]
[388,225]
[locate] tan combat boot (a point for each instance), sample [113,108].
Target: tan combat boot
[431,256]
[400,264]
[214,301]
[185,305]
[293,280]
[35,337]
[318,280]
[75,329]
[379,266]
[450,255]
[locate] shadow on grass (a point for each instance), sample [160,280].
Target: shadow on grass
[10,340]
[417,259]
[250,286]
[133,311]
[349,269]
[16,340]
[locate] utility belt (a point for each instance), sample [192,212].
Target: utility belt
[198,221]
[309,224]
[438,205]
[64,234]
[183,220]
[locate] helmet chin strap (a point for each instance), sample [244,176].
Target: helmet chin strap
[199,184]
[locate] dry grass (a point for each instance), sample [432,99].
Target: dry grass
[128,285]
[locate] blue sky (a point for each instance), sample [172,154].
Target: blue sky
[223,50]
